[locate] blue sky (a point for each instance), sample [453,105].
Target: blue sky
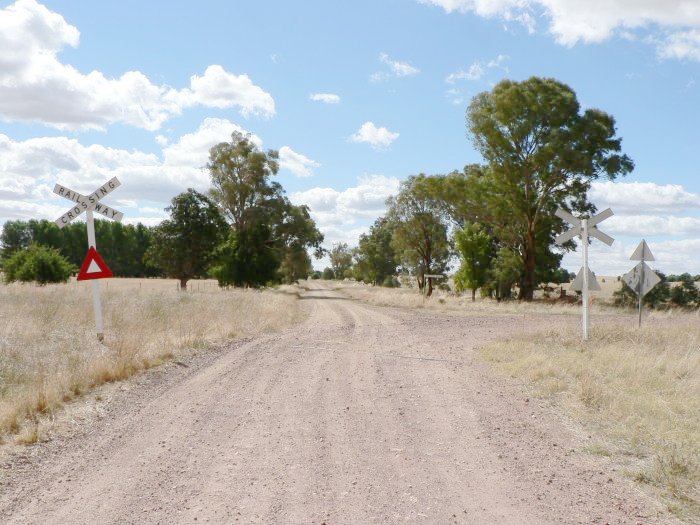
[356,96]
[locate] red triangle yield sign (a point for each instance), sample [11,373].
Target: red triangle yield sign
[88,270]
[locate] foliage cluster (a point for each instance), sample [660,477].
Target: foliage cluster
[541,152]
[37,263]
[123,246]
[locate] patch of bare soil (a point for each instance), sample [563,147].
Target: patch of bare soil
[359,415]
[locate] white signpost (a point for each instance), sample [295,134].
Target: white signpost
[90,204]
[584,228]
[641,278]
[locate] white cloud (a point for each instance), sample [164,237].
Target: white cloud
[326,98]
[396,68]
[376,137]
[192,149]
[29,170]
[653,226]
[297,163]
[342,216]
[218,88]
[636,197]
[475,72]
[366,201]
[673,25]
[400,69]
[36,86]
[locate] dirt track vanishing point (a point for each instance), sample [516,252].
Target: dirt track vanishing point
[359,415]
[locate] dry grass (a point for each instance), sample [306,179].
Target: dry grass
[49,353]
[637,392]
[449,302]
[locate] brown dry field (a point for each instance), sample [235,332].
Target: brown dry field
[325,407]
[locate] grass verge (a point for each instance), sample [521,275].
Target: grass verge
[49,353]
[636,391]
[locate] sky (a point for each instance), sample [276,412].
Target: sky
[356,96]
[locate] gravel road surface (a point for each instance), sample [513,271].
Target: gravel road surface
[359,415]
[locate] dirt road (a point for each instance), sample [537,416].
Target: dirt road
[359,415]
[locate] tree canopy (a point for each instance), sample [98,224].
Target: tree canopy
[541,153]
[242,186]
[183,245]
[420,230]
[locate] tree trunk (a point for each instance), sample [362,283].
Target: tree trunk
[473,294]
[430,287]
[183,285]
[527,287]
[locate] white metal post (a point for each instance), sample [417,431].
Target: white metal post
[584,291]
[639,292]
[96,302]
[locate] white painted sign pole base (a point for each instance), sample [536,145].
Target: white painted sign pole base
[96,302]
[584,291]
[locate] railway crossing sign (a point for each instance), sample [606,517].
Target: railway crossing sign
[88,203]
[584,228]
[641,278]
[94,266]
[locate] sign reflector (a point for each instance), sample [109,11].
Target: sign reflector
[94,267]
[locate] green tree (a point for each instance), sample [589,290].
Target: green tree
[37,263]
[293,233]
[542,153]
[475,248]
[375,259]
[341,259]
[183,245]
[505,271]
[685,293]
[247,258]
[16,235]
[420,230]
[240,175]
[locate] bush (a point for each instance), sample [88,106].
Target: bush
[328,274]
[390,281]
[656,298]
[685,294]
[38,263]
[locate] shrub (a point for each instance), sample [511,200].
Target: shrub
[390,281]
[38,263]
[656,298]
[685,294]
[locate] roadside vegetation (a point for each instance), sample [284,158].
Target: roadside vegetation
[49,353]
[635,391]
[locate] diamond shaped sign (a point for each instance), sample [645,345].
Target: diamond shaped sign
[641,279]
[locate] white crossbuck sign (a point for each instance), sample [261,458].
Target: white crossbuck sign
[88,202]
[91,204]
[585,280]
